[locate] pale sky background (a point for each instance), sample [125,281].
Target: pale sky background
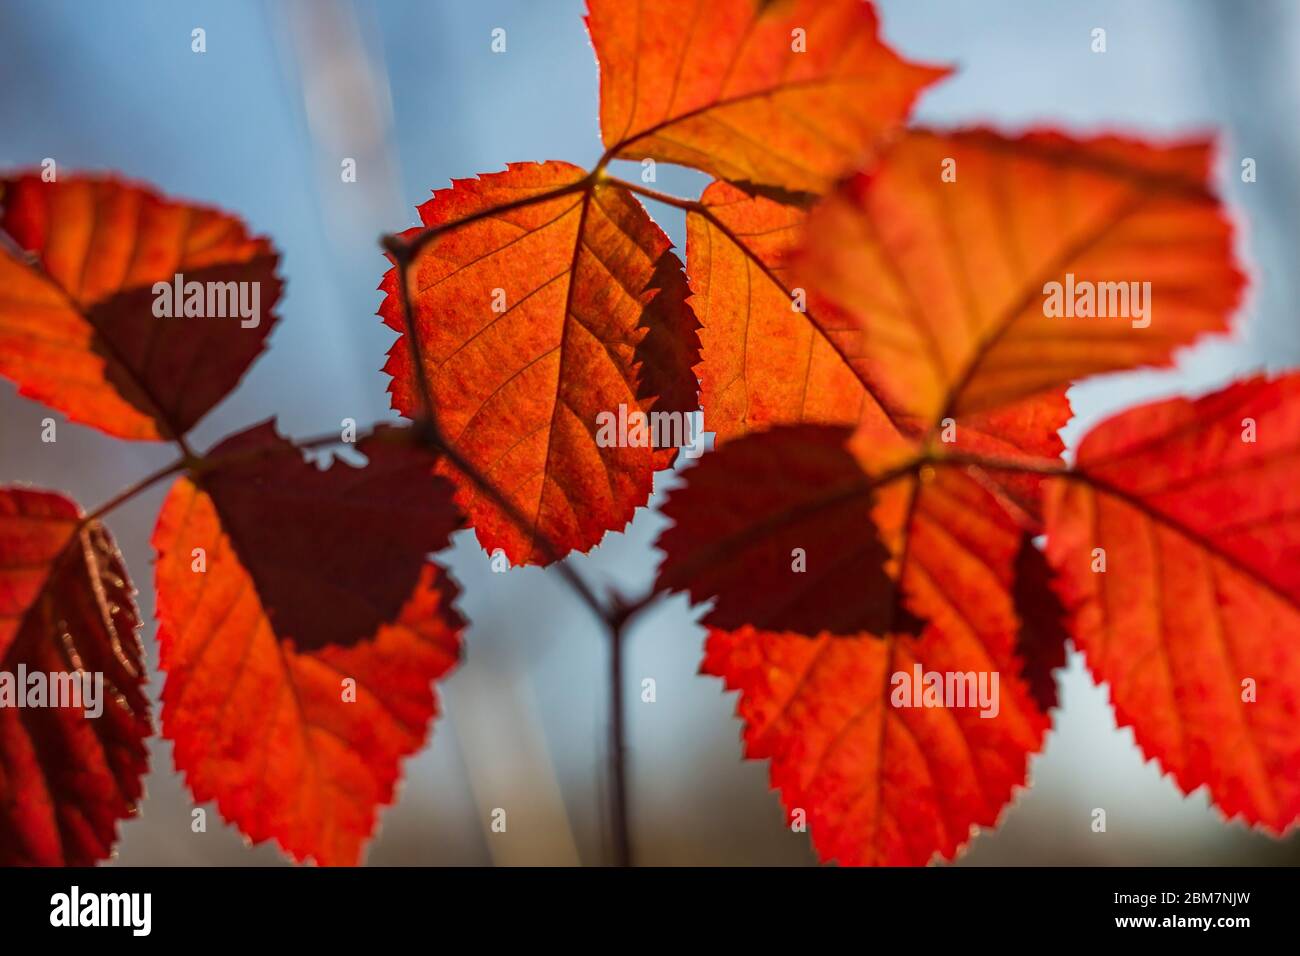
[259,124]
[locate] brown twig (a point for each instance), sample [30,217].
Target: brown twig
[143,484]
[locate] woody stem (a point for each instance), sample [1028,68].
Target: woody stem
[622,841]
[143,484]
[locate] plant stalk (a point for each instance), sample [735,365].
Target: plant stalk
[618,811]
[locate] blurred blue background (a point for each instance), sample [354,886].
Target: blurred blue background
[259,125]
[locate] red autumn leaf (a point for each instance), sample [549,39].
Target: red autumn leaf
[67,610]
[532,323]
[1192,622]
[788,94]
[778,527]
[78,329]
[263,724]
[954,550]
[878,784]
[334,554]
[782,298]
[949,279]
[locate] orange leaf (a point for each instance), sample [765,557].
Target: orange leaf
[66,608]
[949,279]
[879,784]
[1200,538]
[767,362]
[78,329]
[296,738]
[789,94]
[532,323]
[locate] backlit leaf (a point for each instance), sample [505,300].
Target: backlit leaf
[67,611]
[278,583]
[878,784]
[78,328]
[790,94]
[950,279]
[264,725]
[533,323]
[1193,620]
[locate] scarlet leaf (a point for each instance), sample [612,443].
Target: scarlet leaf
[1192,622]
[532,322]
[949,279]
[789,94]
[265,726]
[879,784]
[777,353]
[778,528]
[334,554]
[67,612]
[78,329]
[951,551]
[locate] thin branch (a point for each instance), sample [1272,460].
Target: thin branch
[690,205]
[618,750]
[142,485]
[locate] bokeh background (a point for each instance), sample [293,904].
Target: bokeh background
[410,88]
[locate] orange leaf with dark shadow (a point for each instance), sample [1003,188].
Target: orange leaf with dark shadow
[78,327]
[532,323]
[67,613]
[291,705]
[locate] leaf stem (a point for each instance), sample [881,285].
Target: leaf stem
[143,484]
[690,205]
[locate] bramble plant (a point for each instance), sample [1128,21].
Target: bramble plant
[879,324]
